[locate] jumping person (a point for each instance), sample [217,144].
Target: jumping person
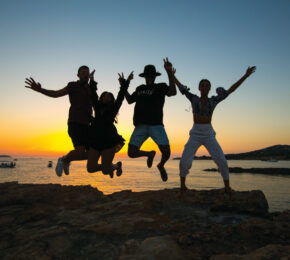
[104,140]
[80,114]
[202,132]
[148,116]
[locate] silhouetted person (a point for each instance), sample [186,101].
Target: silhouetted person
[148,116]
[104,139]
[202,132]
[80,114]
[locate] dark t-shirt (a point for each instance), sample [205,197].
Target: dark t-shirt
[81,104]
[149,104]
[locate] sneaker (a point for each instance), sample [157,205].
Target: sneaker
[119,169]
[66,167]
[163,172]
[150,159]
[59,167]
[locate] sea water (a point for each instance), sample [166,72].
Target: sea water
[137,177]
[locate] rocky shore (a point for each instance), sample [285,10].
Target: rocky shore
[270,170]
[50,221]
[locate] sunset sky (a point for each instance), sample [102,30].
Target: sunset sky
[218,40]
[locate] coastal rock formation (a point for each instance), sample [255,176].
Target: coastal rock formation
[270,170]
[47,221]
[266,253]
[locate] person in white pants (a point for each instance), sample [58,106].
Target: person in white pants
[202,132]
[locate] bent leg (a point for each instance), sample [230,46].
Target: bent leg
[107,159]
[92,163]
[138,137]
[79,135]
[165,152]
[135,152]
[78,154]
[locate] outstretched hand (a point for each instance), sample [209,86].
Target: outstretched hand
[92,75]
[167,65]
[250,71]
[36,86]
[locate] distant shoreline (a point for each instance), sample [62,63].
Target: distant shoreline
[200,158]
[276,152]
[270,170]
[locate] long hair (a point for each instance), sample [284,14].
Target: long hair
[109,105]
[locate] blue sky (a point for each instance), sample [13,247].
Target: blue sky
[217,40]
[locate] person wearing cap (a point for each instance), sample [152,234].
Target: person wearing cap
[149,100]
[202,132]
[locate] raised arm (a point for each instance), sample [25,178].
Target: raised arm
[129,98]
[36,86]
[249,71]
[183,89]
[93,86]
[168,67]
[122,92]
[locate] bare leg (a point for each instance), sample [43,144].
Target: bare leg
[182,184]
[135,152]
[228,189]
[93,158]
[183,188]
[107,159]
[78,154]
[165,151]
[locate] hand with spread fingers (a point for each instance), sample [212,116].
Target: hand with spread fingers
[250,71]
[167,65]
[36,86]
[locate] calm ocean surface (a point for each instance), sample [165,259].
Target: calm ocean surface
[137,177]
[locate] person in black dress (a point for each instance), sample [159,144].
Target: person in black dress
[104,140]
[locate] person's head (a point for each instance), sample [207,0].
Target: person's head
[84,73]
[107,98]
[149,74]
[204,87]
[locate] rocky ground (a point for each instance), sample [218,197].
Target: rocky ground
[50,221]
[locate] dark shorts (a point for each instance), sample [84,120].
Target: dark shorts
[79,134]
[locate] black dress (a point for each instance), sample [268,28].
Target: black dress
[103,133]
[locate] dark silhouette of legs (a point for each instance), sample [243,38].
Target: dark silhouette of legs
[78,154]
[92,163]
[135,152]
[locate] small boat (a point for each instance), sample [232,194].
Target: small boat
[7,164]
[49,164]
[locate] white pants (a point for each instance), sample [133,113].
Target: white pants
[203,134]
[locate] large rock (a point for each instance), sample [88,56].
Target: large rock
[265,253]
[154,248]
[48,221]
